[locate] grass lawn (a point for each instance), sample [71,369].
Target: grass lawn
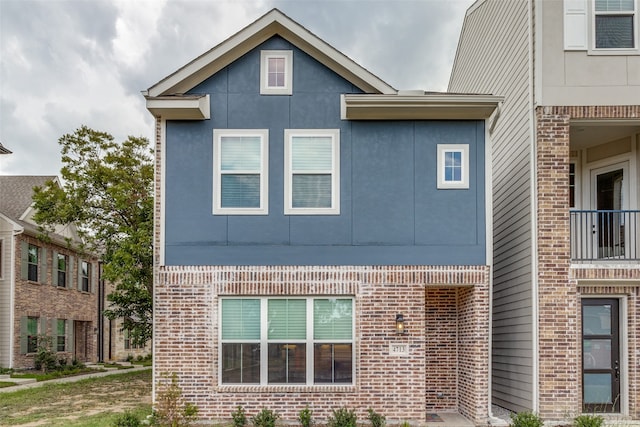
[94,402]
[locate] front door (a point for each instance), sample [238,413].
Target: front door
[600,355]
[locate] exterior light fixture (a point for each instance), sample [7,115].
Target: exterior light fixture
[400,330]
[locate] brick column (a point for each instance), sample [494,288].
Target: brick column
[558,341]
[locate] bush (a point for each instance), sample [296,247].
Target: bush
[342,417]
[171,408]
[265,418]
[127,420]
[376,419]
[306,417]
[239,417]
[45,359]
[526,419]
[588,421]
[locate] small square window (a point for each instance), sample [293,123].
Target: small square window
[453,166]
[312,171]
[240,167]
[276,72]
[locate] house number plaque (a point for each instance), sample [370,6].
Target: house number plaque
[396,349]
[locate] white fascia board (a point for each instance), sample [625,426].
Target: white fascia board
[180,108]
[274,22]
[419,107]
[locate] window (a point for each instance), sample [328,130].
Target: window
[615,24]
[287,341]
[62,270]
[129,342]
[453,166]
[1,249]
[85,276]
[240,172]
[276,72]
[61,334]
[312,171]
[32,334]
[572,185]
[33,260]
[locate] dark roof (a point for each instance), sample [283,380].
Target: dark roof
[16,194]
[4,150]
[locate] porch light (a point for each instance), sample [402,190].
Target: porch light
[400,325]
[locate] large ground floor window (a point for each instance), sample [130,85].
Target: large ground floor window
[287,341]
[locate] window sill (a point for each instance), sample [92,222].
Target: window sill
[284,388]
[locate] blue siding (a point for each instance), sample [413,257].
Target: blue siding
[391,210]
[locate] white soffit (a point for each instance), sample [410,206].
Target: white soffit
[188,107]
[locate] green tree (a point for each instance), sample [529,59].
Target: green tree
[107,191]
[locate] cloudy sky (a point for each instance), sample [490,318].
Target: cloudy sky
[67,63]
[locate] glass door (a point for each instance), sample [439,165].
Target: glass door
[600,355]
[609,199]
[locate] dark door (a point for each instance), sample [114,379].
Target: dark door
[600,355]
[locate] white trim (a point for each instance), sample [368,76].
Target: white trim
[263,209]
[443,149]
[635,50]
[334,134]
[265,89]
[163,196]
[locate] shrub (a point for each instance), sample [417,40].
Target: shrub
[526,419]
[342,417]
[376,419]
[588,421]
[45,359]
[127,420]
[239,417]
[306,417]
[171,408]
[265,418]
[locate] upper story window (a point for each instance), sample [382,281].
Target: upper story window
[312,171]
[301,341]
[614,24]
[240,168]
[605,27]
[85,276]
[62,262]
[33,261]
[453,166]
[276,69]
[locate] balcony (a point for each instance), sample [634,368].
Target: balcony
[605,235]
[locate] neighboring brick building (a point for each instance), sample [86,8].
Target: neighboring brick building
[302,204]
[46,288]
[566,208]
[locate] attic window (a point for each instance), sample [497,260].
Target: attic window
[276,72]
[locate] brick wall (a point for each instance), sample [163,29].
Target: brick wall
[44,300]
[560,364]
[446,312]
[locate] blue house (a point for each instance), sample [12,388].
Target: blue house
[321,238]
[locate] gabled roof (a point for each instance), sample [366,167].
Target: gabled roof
[273,23]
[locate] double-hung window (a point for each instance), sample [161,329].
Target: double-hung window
[85,276]
[276,67]
[61,264]
[312,171]
[61,334]
[615,24]
[33,262]
[303,341]
[32,334]
[241,177]
[453,166]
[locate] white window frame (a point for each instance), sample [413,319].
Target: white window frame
[265,89]
[609,50]
[263,209]
[309,341]
[443,149]
[334,134]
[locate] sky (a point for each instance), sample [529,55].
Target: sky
[68,63]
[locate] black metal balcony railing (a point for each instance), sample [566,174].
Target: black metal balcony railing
[605,235]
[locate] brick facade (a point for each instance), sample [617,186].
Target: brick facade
[446,310]
[560,284]
[43,300]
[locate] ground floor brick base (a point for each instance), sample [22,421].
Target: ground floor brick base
[444,366]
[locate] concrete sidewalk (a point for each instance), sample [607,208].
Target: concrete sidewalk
[70,379]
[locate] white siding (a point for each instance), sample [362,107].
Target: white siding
[493,58]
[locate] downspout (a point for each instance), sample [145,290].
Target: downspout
[100,314]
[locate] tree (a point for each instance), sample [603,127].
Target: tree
[107,192]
